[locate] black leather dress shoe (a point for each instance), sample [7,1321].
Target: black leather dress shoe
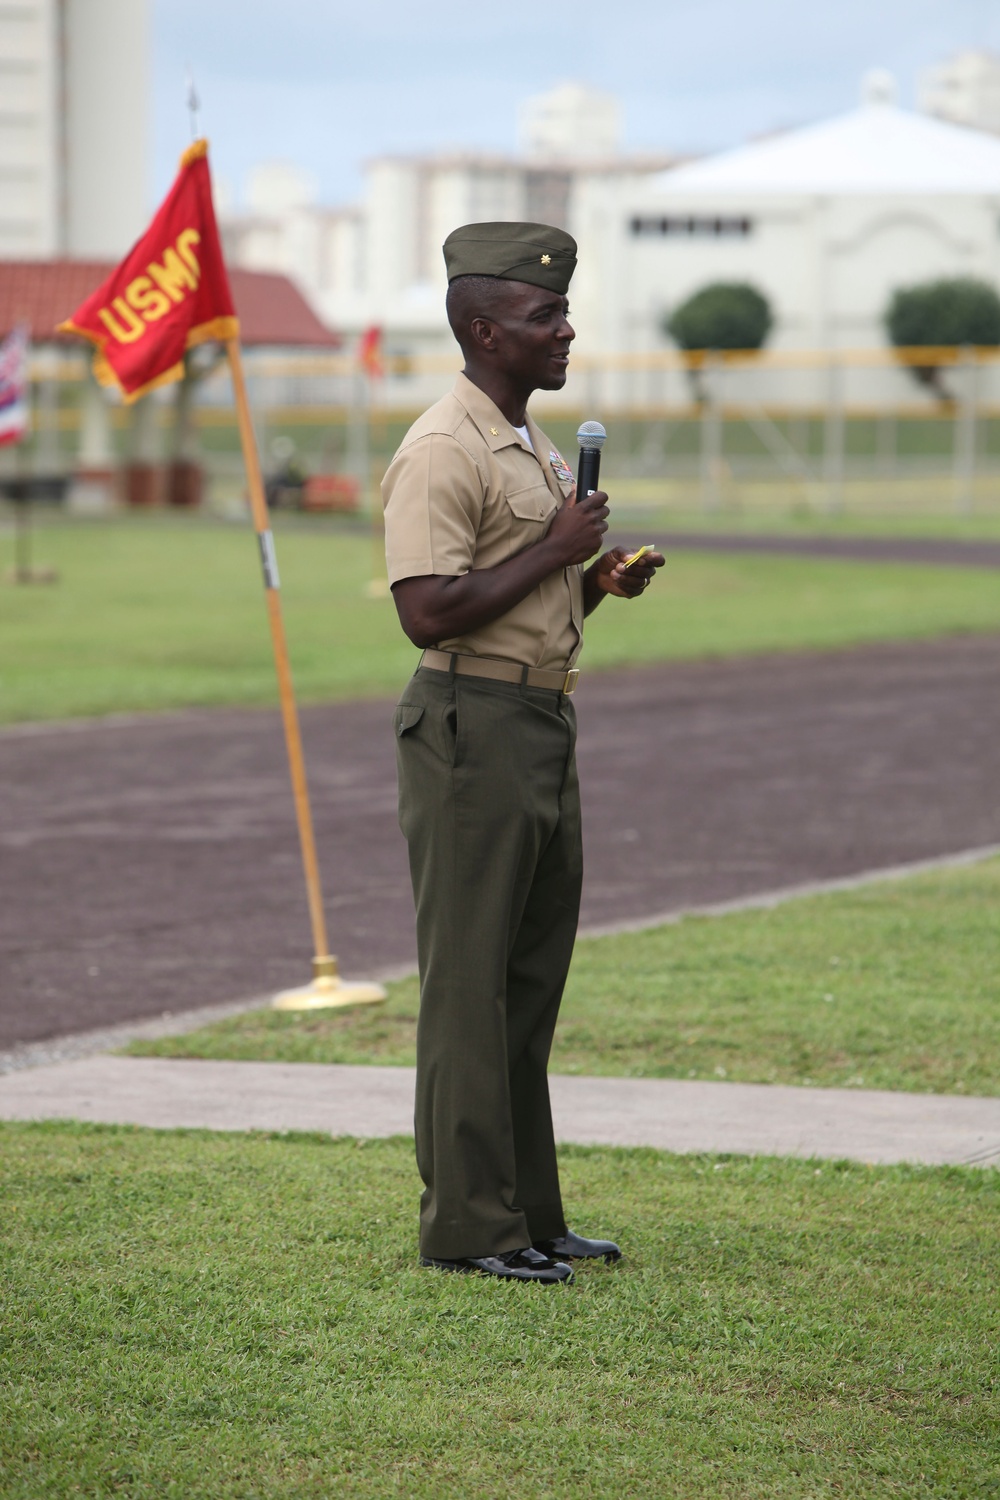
[531,1264]
[572,1246]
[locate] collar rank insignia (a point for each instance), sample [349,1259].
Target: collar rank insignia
[562,469]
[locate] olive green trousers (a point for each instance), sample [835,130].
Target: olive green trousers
[489,803]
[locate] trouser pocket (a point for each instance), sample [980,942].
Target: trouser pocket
[407,717]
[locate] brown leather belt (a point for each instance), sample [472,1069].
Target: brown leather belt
[500,671]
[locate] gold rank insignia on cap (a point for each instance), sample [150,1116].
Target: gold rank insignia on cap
[546,260]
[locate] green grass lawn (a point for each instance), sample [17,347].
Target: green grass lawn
[163,612]
[894,985]
[234,1317]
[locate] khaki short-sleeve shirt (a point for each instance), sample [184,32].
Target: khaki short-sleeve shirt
[464,491]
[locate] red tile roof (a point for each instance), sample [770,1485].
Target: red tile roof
[273,311]
[42,293]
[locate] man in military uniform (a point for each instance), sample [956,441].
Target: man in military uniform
[486,543]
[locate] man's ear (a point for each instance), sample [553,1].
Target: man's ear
[483,333]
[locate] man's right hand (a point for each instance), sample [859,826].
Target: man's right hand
[578,528]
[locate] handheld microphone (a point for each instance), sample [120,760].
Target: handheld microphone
[591,437]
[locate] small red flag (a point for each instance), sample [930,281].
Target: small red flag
[170,292]
[370,352]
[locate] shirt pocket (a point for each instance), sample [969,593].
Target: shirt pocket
[534,503]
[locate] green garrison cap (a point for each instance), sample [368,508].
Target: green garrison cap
[535,253]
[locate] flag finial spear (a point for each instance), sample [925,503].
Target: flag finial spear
[193,104]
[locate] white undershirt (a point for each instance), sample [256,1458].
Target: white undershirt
[522,433]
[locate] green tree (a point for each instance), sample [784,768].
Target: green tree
[722,315]
[945,314]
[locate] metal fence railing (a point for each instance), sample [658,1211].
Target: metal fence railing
[827,430]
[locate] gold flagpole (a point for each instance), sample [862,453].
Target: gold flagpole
[327,988]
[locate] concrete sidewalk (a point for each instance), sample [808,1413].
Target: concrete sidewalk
[669,1114]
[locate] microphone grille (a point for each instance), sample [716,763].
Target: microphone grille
[591,435]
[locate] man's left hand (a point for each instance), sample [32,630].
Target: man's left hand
[627,583]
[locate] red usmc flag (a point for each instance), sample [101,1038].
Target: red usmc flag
[169,293]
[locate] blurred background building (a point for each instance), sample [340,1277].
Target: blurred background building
[74,81]
[827,221]
[380,262]
[965,89]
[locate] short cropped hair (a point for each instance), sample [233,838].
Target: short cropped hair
[472,297]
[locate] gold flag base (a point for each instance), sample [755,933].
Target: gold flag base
[328,991]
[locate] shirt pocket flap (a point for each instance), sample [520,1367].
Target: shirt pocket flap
[533,503]
[407,716]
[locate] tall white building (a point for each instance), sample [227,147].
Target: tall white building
[965,89]
[73,127]
[570,121]
[274,188]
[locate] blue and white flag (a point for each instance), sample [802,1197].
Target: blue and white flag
[14,386]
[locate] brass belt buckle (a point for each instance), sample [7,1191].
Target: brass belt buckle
[571,679]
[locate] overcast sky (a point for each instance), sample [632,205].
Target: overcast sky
[324,83]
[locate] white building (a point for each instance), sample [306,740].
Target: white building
[965,90]
[381,262]
[73,126]
[827,221]
[570,121]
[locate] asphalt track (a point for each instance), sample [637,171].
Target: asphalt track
[151,865]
